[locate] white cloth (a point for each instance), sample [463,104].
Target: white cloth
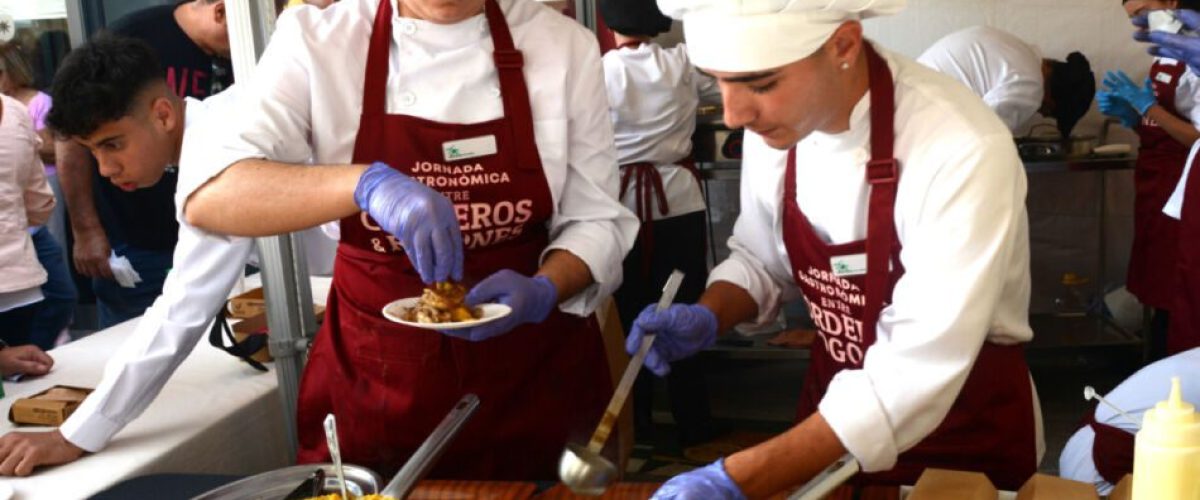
[960,216]
[653,93]
[306,96]
[20,298]
[1186,93]
[123,270]
[758,35]
[997,66]
[1174,206]
[204,270]
[1138,393]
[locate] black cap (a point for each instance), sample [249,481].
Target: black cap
[1072,86]
[634,17]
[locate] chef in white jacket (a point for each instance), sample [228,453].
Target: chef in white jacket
[455,140]
[205,266]
[898,214]
[1012,77]
[654,92]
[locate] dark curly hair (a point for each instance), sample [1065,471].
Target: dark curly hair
[1072,86]
[99,82]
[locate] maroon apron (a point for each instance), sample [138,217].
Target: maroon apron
[389,385]
[1112,449]
[990,427]
[649,189]
[1184,332]
[1160,163]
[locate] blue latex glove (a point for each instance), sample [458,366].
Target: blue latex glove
[1183,47]
[423,220]
[1112,105]
[683,330]
[1141,98]
[531,300]
[708,483]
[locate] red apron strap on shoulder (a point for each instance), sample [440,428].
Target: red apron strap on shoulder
[883,176]
[375,83]
[510,64]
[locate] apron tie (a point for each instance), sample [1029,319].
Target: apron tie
[649,187]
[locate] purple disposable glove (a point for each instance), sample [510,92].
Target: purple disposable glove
[683,330]
[423,220]
[710,482]
[1112,105]
[531,300]
[1141,98]
[1182,47]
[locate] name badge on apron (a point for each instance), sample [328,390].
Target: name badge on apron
[465,149]
[1164,78]
[848,265]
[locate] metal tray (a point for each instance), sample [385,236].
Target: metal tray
[276,484]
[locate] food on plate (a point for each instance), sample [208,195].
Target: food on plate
[338,496]
[442,303]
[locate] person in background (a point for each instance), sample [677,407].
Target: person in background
[893,201]
[191,39]
[1012,77]
[57,308]
[1164,112]
[113,88]
[1101,452]
[654,92]
[1184,202]
[25,201]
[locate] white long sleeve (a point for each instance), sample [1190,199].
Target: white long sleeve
[960,217]
[305,101]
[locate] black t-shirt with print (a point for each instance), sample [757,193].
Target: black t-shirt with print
[145,218]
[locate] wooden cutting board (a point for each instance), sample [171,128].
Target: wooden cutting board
[619,491]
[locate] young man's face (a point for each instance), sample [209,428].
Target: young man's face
[133,152]
[783,105]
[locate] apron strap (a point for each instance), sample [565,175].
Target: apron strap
[509,66]
[883,175]
[243,350]
[375,82]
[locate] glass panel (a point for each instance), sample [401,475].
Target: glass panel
[41,34]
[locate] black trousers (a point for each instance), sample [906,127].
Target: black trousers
[17,324]
[678,244]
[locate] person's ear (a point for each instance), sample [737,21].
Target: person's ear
[845,44]
[219,12]
[164,114]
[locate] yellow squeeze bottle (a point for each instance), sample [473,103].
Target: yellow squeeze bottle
[1166,460]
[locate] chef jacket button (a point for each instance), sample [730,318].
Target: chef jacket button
[407,98]
[408,27]
[495,92]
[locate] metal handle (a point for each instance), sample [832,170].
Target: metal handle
[632,369]
[829,479]
[335,452]
[424,458]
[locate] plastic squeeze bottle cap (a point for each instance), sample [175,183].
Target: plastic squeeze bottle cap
[1167,451]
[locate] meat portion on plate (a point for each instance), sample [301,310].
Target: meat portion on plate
[442,303]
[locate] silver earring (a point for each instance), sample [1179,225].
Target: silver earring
[845,65]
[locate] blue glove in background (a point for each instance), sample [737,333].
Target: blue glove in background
[1141,98]
[531,300]
[420,217]
[682,329]
[1112,105]
[1181,47]
[710,482]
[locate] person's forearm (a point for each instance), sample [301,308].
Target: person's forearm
[75,176]
[48,146]
[730,303]
[1177,128]
[568,272]
[263,198]
[785,461]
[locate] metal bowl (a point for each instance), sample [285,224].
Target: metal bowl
[276,484]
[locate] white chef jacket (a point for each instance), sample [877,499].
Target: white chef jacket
[997,66]
[204,269]
[1138,393]
[1185,93]
[960,216]
[306,96]
[654,92]
[1174,206]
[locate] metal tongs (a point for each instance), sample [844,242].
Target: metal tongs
[420,462]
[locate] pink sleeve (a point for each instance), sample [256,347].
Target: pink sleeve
[39,107]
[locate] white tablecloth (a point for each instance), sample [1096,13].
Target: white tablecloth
[215,416]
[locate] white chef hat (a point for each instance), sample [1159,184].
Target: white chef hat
[755,35]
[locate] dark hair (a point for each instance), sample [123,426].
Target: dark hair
[1072,86]
[99,82]
[634,17]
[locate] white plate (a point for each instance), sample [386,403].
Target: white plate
[491,312]
[6,491]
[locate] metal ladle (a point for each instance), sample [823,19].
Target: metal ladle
[583,469]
